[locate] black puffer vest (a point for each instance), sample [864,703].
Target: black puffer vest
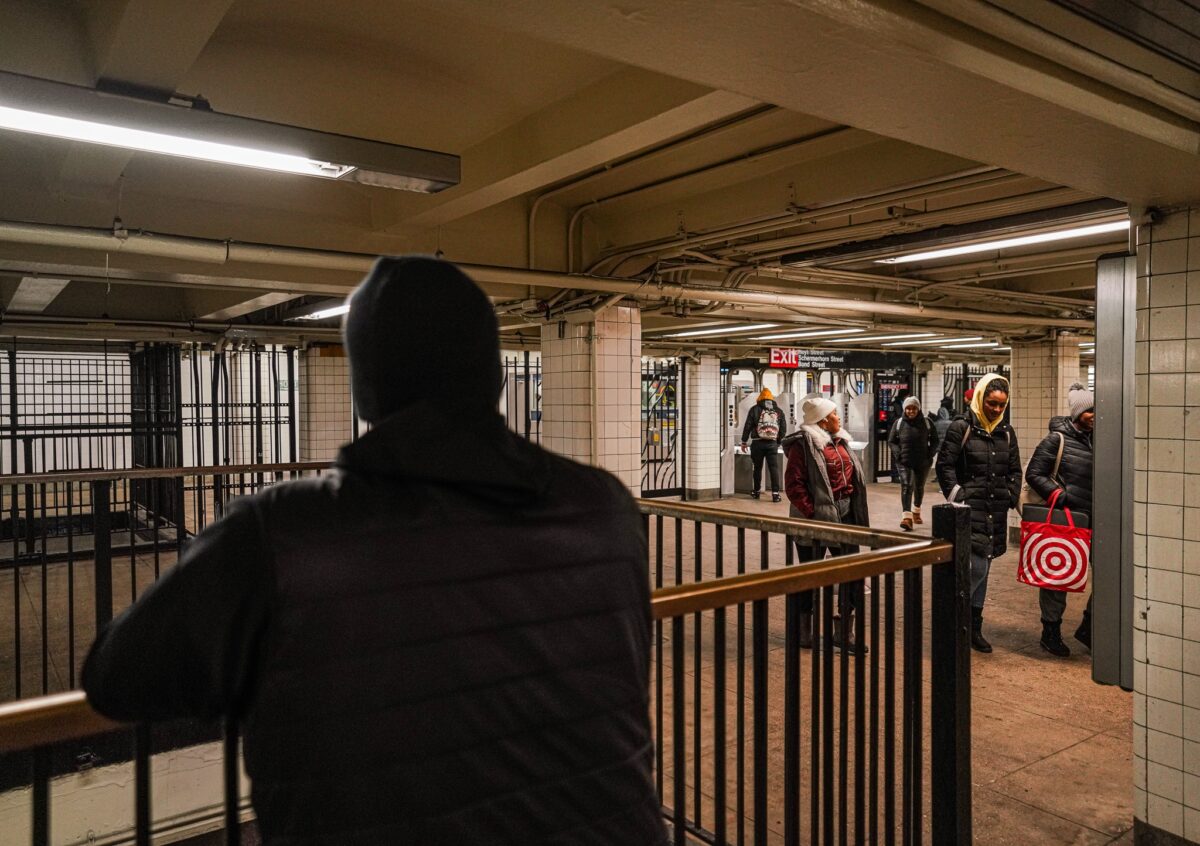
[488,679]
[985,473]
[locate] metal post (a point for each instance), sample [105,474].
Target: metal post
[102,544]
[681,428]
[950,654]
[528,410]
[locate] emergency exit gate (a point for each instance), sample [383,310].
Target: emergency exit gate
[662,428]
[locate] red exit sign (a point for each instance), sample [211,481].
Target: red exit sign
[784,358]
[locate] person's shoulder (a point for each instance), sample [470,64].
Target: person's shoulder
[572,482]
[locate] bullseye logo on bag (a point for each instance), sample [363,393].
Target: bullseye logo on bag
[1054,557]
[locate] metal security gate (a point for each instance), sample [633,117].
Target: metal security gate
[521,395]
[662,426]
[957,379]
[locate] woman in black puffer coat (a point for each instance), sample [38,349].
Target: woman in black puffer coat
[979,464]
[1074,481]
[913,442]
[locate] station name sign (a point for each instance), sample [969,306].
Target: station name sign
[800,359]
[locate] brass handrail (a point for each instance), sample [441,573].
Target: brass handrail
[834,533]
[44,720]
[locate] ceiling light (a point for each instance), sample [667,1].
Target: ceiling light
[874,338]
[983,345]
[1087,352]
[812,333]
[1006,243]
[1002,349]
[81,114]
[724,330]
[322,314]
[942,340]
[1088,344]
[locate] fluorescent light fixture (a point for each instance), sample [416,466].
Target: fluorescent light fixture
[1002,349]
[812,333]
[975,346]
[324,313]
[942,340]
[874,338]
[75,113]
[724,330]
[1007,243]
[1088,344]
[1087,352]
[35,293]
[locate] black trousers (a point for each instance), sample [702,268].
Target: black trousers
[849,594]
[768,451]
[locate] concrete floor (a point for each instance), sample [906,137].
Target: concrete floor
[1051,754]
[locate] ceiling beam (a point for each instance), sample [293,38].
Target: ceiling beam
[898,69]
[621,114]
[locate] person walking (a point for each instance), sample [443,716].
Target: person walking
[765,428]
[424,646]
[824,481]
[945,414]
[1071,475]
[979,465]
[913,442]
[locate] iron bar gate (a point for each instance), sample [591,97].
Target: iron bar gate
[521,396]
[662,428]
[957,379]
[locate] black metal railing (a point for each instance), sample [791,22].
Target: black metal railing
[736,701]
[77,547]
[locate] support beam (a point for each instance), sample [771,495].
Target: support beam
[627,111]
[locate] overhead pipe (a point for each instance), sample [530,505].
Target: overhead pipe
[220,252]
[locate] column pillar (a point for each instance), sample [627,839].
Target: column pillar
[591,390]
[702,428]
[325,406]
[931,396]
[1166,618]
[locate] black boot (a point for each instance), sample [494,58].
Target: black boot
[1052,640]
[775,497]
[806,630]
[754,494]
[1083,634]
[843,634]
[978,641]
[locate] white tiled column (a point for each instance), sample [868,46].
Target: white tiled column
[1167,530]
[1041,376]
[702,427]
[325,405]
[591,391]
[935,385]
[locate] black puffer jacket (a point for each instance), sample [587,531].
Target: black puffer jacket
[984,473]
[424,647]
[913,442]
[750,428]
[1075,471]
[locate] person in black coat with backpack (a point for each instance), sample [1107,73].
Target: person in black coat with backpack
[979,465]
[1071,476]
[765,427]
[913,442]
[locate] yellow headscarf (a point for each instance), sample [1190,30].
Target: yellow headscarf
[977,401]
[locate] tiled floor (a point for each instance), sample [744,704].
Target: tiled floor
[1051,753]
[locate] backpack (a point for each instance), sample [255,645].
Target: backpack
[767,427]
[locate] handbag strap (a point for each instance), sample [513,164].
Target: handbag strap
[1050,502]
[1062,442]
[1070,519]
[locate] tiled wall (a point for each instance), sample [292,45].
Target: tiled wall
[1041,374]
[1167,527]
[325,405]
[596,362]
[934,388]
[702,421]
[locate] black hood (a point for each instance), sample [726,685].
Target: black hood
[419,328]
[487,460]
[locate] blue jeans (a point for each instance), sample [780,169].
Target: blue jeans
[980,565]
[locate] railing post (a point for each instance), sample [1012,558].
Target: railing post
[102,546]
[950,653]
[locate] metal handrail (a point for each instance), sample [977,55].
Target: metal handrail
[159,473]
[44,720]
[834,533]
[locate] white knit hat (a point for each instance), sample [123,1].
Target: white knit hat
[913,401]
[1080,399]
[816,409]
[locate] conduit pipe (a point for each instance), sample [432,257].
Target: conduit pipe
[220,252]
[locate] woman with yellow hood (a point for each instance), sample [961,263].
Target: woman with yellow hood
[979,465]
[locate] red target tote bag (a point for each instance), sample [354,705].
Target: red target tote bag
[1054,556]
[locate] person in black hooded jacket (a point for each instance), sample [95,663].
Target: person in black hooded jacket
[426,646]
[913,442]
[1073,481]
[979,465]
